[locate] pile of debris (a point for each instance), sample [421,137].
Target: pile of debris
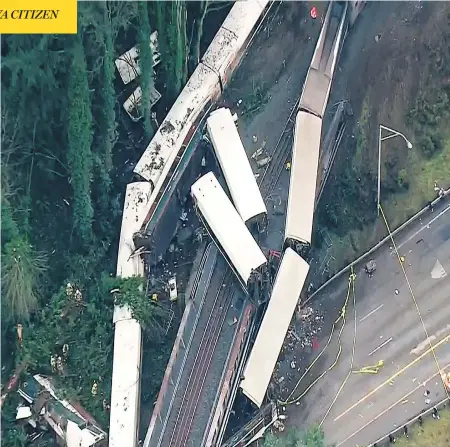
[44,411]
[305,330]
[302,338]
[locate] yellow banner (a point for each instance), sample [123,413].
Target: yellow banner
[38,16]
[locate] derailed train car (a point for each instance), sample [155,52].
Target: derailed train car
[286,291]
[125,388]
[293,268]
[156,167]
[229,232]
[302,187]
[236,167]
[308,129]
[206,83]
[175,136]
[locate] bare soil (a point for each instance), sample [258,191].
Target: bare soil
[382,79]
[269,81]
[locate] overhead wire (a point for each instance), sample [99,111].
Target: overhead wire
[440,371]
[341,316]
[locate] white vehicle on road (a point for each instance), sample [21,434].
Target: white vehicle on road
[227,228]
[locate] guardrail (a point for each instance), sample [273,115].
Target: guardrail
[398,432]
[377,246]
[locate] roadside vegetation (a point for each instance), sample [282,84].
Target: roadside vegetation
[65,143]
[313,437]
[434,433]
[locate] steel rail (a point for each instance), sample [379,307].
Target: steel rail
[205,338]
[211,347]
[187,350]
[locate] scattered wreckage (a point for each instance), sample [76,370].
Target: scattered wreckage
[43,410]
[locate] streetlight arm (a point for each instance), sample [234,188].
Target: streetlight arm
[394,134]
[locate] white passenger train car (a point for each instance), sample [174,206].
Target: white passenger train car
[201,89]
[302,186]
[285,295]
[317,86]
[125,388]
[234,36]
[235,166]
[227,228]
[205,85]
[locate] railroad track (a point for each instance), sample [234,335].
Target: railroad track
[205,307]
[216,319]
[211,334]
[202,363]
[279,155]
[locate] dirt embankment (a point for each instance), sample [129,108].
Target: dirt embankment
[395,71]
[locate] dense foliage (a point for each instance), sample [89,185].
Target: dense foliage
[313,437]
[53,228]
[64,144]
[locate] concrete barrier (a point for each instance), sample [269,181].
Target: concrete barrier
[377,246]
[399,432]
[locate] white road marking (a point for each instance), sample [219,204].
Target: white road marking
[438,272]
[382,345]
[372,312]
[423,228]
[424,344]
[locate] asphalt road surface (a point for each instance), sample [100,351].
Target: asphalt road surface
[357,408]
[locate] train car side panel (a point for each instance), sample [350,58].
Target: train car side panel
[269,340]
[230,42]
[227,226]
[202,87]
[235,165]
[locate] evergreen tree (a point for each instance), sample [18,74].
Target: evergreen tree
[79,136]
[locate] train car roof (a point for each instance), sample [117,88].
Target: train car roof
[137,195]
[235,165]
[202,86]
[231,37]
[227,226]
[125,388]
[302,186]
[269,341]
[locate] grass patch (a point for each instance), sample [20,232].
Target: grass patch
[433,433]
[422,174]
[256,100]
[362,141]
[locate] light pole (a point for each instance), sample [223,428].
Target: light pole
[392,133]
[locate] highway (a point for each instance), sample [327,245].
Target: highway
[356,408]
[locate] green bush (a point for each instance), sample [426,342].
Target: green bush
[313,437]
[431,143]
[402,179]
